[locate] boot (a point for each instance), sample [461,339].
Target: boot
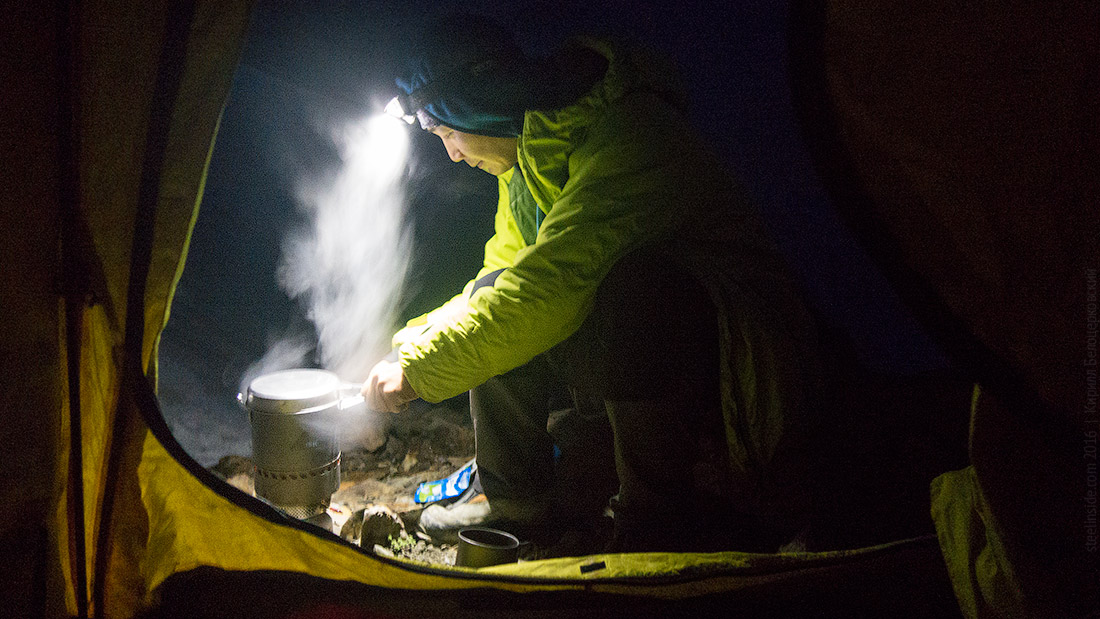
[524,519]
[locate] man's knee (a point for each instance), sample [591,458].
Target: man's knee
[652,327]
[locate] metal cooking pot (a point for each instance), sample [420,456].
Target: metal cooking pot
[296,417]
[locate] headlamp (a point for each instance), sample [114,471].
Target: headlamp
[406,105]
[401,107]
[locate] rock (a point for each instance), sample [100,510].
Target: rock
[395,449]
[363,494]
[353,462]
[243,482]
[380,524]
[237,471]
[230,466]
[429,553]
[352,528]
[449,439]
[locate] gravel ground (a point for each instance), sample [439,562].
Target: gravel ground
[375,500]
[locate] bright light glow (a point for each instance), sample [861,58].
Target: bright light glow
[396,110]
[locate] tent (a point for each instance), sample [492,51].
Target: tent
[960,143]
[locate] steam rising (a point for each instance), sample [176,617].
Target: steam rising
[288,352]
[348,268]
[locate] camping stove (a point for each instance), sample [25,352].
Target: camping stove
[295,417]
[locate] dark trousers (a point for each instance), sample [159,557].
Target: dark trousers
[646,356]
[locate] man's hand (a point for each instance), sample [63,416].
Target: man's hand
[386,389]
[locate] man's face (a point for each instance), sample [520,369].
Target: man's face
[493,155]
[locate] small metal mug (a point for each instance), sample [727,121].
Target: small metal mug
[482,547]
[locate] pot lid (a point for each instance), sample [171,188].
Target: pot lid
[291,391]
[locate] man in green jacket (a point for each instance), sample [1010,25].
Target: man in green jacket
[625,263]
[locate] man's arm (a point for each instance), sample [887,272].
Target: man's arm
[628,184]
[386,388]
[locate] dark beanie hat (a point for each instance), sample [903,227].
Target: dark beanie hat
[467,73]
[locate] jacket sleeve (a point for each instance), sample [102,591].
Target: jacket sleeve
[622,191]
[500,252]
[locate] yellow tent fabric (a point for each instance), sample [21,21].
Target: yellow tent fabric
[108,141]
[141,88]
[146,86]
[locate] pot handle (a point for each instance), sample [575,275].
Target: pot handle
[242,400]
[351,399]
[349,390]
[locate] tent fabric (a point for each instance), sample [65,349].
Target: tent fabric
[194,526]
[147,86]
[31,344]
[898,583]
[972,181]
[976,561]
[961,145]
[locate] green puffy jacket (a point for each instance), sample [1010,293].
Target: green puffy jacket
[619,169]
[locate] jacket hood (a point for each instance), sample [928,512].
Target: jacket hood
[548,135]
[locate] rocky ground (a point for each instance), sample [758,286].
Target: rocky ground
[374,505]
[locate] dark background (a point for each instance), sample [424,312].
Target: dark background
[307,66]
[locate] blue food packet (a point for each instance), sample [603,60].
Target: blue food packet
[449,487]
